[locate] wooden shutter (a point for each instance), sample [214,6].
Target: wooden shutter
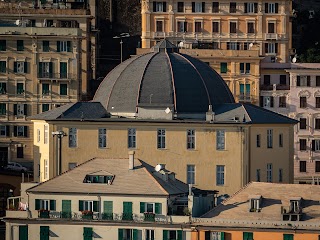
[66,205]
[80,205]
[108,206]
[185,26]
[203,7]
[164,6]
[50,69]
[193,6]
[135,234]
[255,7]
[179,233]
[15,109]
[23,232]
[68,46]
[271,101]
[25,131]
[245,7]
[222,236]
[25,109]
[40,68]
[58,46]
[95,206]
[207,235]
[87,233]
[266,48]
[25,67]
[266,7]
[313,145]
[276,47]
[241,67]
[165,235]
[15,67]
[261,101]
[8,131]
[127,207]
[44,233]
[120,234]
[158,208]
[15,128]
[276,7]
[37,204]
[53,205]
[142,207]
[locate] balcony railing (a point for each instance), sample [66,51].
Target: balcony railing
[274,87]
[271,36]
[44,214]
[246,97]
[149,217]
[56,76]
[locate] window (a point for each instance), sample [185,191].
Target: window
[303,144]
[215,27]
[258,175]
[233,46]
[172,234]
[303,166]
[244,92]
[245,68]
[266,80]
[198,26]
[149,234]
[215,7]
[247,235]
[233,7]
[63,89]
[131,138]
[150,207]
[45,89]
[45,204]
[20,67]
[23,232]
[180,6]
[3,109]
[223,67]
[250,7]
[271,27]
[250,27]
[317,166]
[4,131]
[20,131]
[3,45]
[220,175]
[98,179]
[38,135]
[88,206]
[271,48]
[20,109]
[45,107]
[63,70]
[191,172]
[46,134]
[317,102]
[87,233]
[72,137]
[303,81]
[102,137]
[211,235]
[46,169]
[258,140]
[191,140]
[287,236]
[280,140]
[19,152]
[283,80]
[3,66]
[220,140]
[269,172]
[3,88]
[271,7]
[20,45]
[44,233]
[315,145]
[20,88]
[317,123]
[233,27]
[161,138]
[317,81]
[45,70]
[282,102]
[182,26]
[198,7]
[63,46]
[303,102]
[127,234]
[269,138]
[280,175]
[159,26]
[45,46]
[159,6]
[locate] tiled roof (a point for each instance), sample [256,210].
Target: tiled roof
[139,181]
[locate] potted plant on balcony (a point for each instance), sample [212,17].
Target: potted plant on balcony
[44,213]
[87,214]
[149,216]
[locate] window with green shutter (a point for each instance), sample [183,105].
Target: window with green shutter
[20,45]
[45,89]
[66,209]
[107,210]
[20,88]
[223,67]
[120,234]
[3,88]
[44,233]
[63,89]
[3,45]
[165,235]
[247,235]
[23,232]
[3,109]
[45,107]
[45,46]
[180,234]
[3,66]
[87,233]
[158,208]
[63,70]
[135,234]
[288,237]
[127,211]
[142,207]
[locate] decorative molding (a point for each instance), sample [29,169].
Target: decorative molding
[304,93]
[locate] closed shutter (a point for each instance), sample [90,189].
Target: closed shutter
[23,232]
[222,236]
[179,233]
[15,67]
[185,26]
[25,67]
[158,208]
[108,206]
[276,7]
[241,67]
[44,233]
[165,235]
[120,234]
[245,7]
[164,6]
[266,9]
[207,235]
[95,206]
[203,7]
[66,205]
[276,47]
[142,207]
[58,46]
[193,6]
[8,131]
[271,101]
[87,233]
[50,69]
[255,7]
[266,49]
[247,236]
[154,6]
[53,205]
[80,205]
[40,69]
[37,204]
[15,109]
[127,207]
[15,130]
[25,109]
[287,236]
[25,131]
[223,67]
[135,234]
[68,46]
[313,145]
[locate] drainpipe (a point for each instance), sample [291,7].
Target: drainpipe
[100,205]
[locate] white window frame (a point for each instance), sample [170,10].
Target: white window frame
[149,234]
[191,139]
[316,145]
[20,110]
[191,174]
[250,7]
[45,134]
[73,137]
[63,46]
[179,24]
[102,137]
[149,204]
[46,168]
[132,143]
[159,7]
[271,8]
[20,66]
[220,176]
[245,70]
[161,138]
[269,138]
[198,7]
[221,139]
[267,101]
[271,48]
[45,69]
[269,172]
[45,204]
[20,131]
[38,135]
[233,45]
[88,205]
[215,235]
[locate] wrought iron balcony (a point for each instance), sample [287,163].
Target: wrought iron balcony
[149,217]
[44,214]
[56,76]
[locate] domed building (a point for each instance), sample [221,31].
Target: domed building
[168,108]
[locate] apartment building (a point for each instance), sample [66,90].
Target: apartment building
[233,37]
[124,199]
[47,60]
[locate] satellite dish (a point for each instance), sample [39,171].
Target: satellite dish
[18,22]
[167,111]
[251,45]
[158,167]
[181,44]
[294,60]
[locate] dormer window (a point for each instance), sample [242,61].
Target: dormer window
[293,212]
[255,203]
[99,179]
[295,206]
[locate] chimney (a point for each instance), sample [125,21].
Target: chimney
[131,160]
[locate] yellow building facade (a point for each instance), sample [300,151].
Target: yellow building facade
[47,60]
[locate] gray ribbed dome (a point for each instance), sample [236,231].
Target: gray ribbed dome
[162,79]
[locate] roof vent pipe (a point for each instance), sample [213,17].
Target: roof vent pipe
[131,160]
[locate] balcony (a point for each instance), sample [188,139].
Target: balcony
[274,87]
[57,76]
[127,216]
[290,214]
[40,31]
[271,36]
[43,213]
[245,97]
[149,217]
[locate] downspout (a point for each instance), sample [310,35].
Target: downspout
[100,205]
